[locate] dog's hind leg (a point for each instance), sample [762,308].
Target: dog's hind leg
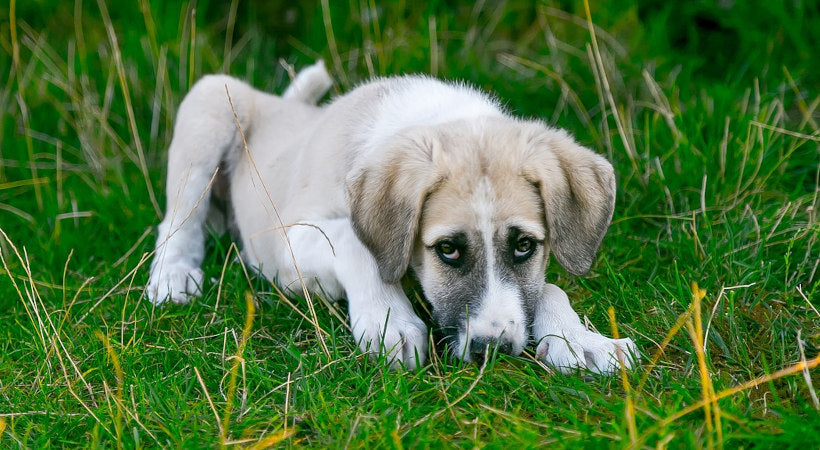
[206,140]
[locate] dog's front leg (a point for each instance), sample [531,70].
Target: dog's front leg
[565,344]
[383,322]
[381,316]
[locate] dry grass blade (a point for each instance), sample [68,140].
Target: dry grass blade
[17,212]
[806,375]
[281,226]
[232,250]
[210,401]
[129,109]
[801,103]
[808,137]
[30,311]
[695,327]
[710,398]
[37,310]
[115,361]
[431,26]
[288,383]
[630,401]
[129,276]
[679,323]
[474,383]
[731,136]
[272,439]
[791,370]
[512,61]
[125,256]
[150,27]
[633,158]
[662,105]
[804,297]
[228,50]
[192,46]
[237,361]
[15,49]
[721,295]
[331,42]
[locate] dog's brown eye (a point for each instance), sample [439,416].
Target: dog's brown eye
[448,252]
[524,248]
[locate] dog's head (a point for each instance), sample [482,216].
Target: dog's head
[474,208]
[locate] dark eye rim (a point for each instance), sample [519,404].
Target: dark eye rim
[532,246]
[442,255]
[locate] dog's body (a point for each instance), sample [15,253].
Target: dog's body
[401,173]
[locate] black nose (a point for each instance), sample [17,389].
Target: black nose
[482,346]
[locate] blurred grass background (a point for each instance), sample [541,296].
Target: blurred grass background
[707,109]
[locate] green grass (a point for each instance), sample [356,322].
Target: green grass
[708,110]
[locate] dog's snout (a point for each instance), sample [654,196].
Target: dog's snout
[481,346]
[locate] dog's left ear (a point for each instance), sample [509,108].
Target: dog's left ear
[578,189]
[386,195]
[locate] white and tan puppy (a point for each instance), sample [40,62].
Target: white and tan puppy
[401,174]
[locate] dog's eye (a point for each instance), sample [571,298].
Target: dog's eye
[448,252]
[524,248]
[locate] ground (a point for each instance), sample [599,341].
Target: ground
[708,111]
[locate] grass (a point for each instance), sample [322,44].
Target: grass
[708,110]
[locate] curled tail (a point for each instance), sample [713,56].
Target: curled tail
[310,84]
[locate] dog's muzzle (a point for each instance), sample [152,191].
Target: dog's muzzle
[482,347]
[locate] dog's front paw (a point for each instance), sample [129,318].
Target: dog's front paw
[400,336]
[585,349]
[174,282]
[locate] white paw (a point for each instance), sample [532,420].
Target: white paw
[402,341]
[584,349]
[174,282]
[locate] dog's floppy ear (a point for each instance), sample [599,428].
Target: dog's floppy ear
[578,189]
[386,195]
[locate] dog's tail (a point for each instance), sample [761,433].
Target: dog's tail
[310,84]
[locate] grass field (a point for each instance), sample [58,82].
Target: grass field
[708,110]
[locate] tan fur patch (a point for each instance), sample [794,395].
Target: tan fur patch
[540,177]
[541,182]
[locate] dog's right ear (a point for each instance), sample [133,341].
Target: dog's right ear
[386,195]
[578,189]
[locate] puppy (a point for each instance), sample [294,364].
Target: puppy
[401,174]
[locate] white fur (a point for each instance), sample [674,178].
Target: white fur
[310,85]
[287,191]
[501,311]
[567,345]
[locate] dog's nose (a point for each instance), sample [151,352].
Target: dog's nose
[481,346]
